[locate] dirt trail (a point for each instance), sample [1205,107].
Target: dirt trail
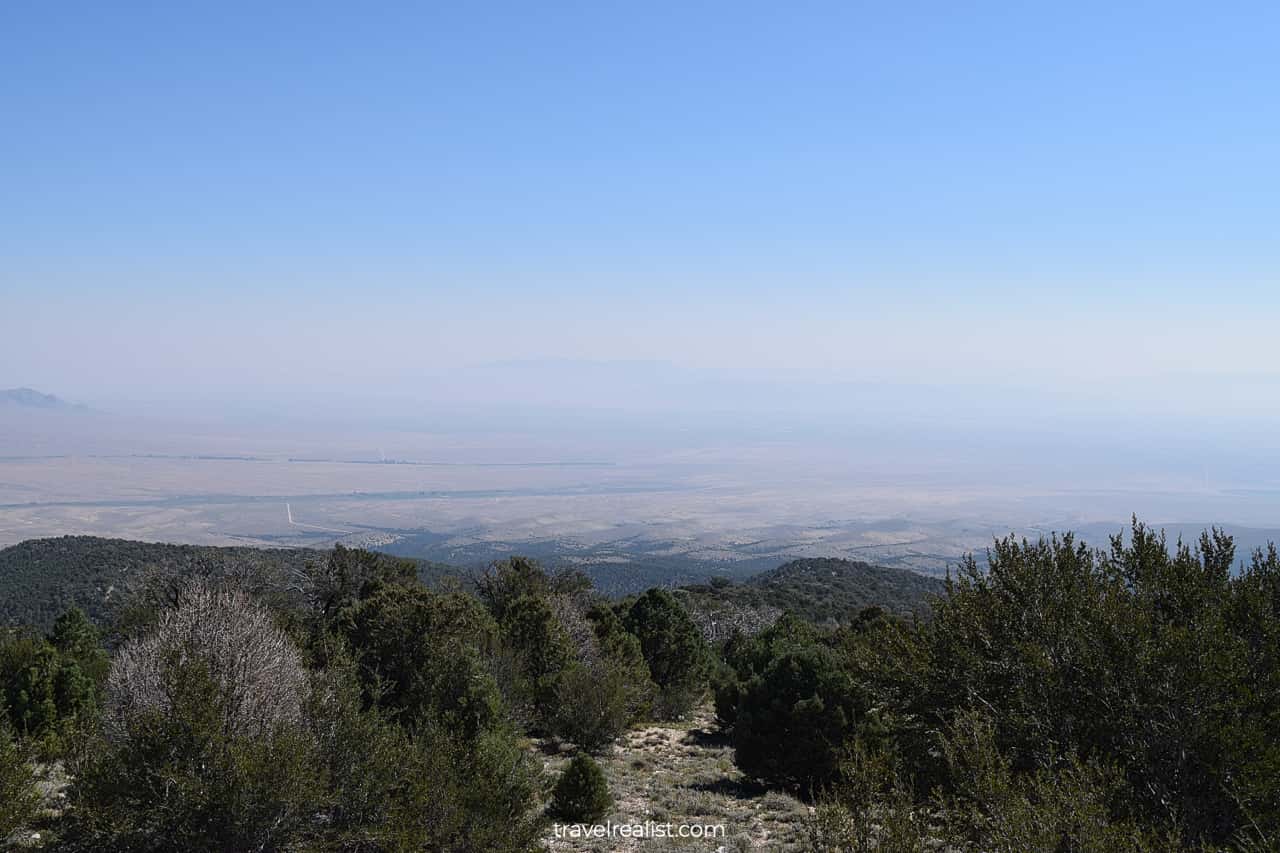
[683,774]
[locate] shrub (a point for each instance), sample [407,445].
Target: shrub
[727,692]
[743,657]
[673,649]
[491,791]
[78,639]
[1071,805]
[794,719]
[50,684]
[363,756]
[347,576]
[420,653]
[871,808]
[608,689]
[1153,654]
[206,747]
[507,581]
[258,676]
[1075,806]
[567,612]
[43,688]
[543,650]
[581,794]
[594,704]
[18,796]
[622,647]
[187,768]
[390,789]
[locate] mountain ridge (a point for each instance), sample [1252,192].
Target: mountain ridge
[44,577]
[30,398]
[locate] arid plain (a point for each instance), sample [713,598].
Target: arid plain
[574,493]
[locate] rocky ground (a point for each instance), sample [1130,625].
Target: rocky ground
[683,773]
[52,782]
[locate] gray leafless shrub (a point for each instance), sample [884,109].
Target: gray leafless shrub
[569,614]
[258,673]
[722,620]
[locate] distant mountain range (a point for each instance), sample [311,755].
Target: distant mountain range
[29,398]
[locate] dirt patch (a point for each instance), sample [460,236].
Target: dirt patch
[683,774]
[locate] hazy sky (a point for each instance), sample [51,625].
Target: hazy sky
[305,196]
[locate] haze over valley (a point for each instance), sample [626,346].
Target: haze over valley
[681,472]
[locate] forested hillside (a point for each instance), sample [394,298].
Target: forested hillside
[42,578]
[822,591]
[831,589]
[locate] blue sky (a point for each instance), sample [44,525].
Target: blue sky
[292,195]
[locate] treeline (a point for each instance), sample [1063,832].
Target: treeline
[1058,698]
[43,578]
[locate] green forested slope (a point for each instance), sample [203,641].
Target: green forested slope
[42,578]
[825,589]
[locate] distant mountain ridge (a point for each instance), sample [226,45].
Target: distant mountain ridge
[30,398]
[42,578]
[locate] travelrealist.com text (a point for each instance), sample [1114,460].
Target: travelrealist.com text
[647,829]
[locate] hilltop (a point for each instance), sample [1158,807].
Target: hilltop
[29,398]
[823,590]
[828,588]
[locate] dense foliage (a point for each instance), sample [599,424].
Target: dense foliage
[599,696]
[678,658]
[819,590]
[1155,658]
[218,734]
[566,665]
[51,683]
[784,682]
[1062,698]
[615,569]
[43,578]
[340,704]
[1057,698]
